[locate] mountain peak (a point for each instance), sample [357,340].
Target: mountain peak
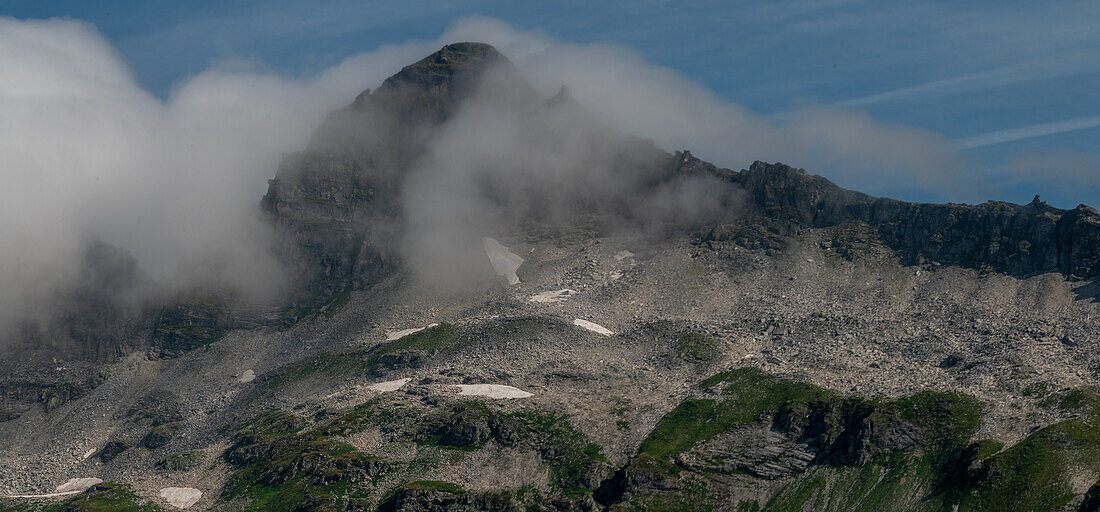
[455,68]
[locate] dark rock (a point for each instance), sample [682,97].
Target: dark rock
[1091,502]
[159,436]
[1013,239]
[470,427]
[187,325]
[950,361]
[337,204]
[18,395]
[642,475]
[111,450]
[404,358]
[432,496]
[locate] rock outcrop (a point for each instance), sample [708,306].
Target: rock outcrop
[997,236]
[338,203]
[188,324]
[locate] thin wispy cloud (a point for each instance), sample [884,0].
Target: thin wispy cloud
[1038,69]
[1031,131]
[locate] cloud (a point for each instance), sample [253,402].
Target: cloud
[655,102]
[1066,63]
[87,153]
[1031,131]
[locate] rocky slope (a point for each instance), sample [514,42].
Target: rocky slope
[790,346]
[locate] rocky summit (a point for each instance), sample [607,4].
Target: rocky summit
[497,303]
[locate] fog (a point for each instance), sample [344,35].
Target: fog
[510,157]
[86,153]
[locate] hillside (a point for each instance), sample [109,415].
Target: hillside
[681,336]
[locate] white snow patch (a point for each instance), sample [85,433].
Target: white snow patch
[504,262]
[597,328]
[180,497]
[492,391]
[553,296]
[396,335]
[622,255]
[389,385]
[247,376]
[77,484]
[73,486]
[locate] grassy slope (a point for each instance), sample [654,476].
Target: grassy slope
[944,469]
[106,497]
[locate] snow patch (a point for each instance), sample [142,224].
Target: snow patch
[553,296]
[389,385]
[504,262]
[396,335]
[180,497]
[77,484]
[73,486]
[596,328]
[247,376]
[492,391]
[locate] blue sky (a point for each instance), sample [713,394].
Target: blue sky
[1014,83]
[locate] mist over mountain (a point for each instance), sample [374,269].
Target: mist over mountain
[174,182]
[502,279]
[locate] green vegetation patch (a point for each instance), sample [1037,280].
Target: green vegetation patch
[281,460]
[752,393]
[1083,400]
[987,447]
[913,453]
[280,466]
[576,464]
[408,351]
[1033,474]
[895,481]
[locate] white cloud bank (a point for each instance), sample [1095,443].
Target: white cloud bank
[85,152]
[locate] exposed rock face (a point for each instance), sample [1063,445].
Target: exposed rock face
[758,450]
[159,436]
[775,431]
[111,450]
[51,390]
[338,203]
[415,498]
[997,236]
[186,325]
